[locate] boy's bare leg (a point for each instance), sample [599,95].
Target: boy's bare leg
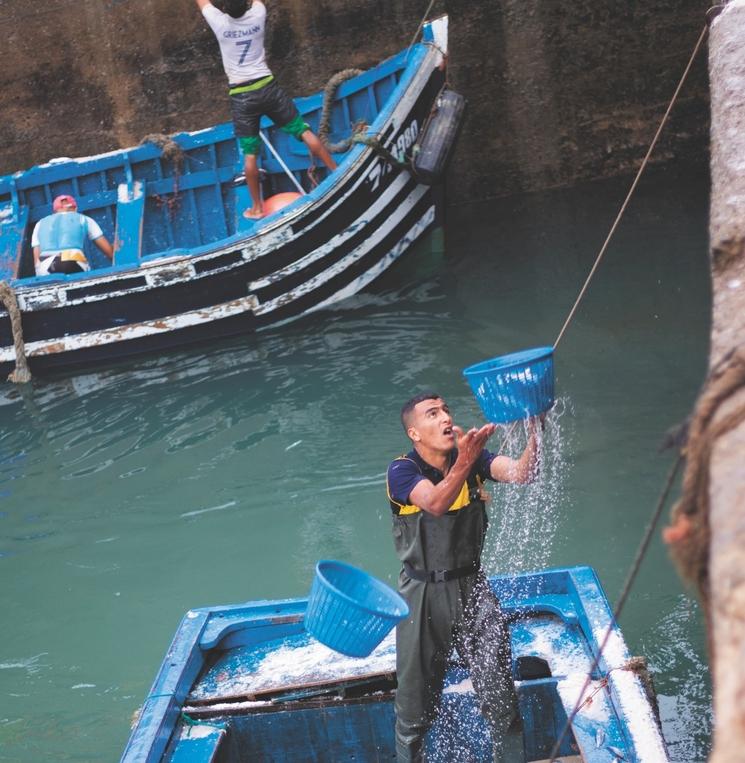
[318,149]
[251,168]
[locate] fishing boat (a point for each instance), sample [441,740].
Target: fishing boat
[247,682]
[188,266]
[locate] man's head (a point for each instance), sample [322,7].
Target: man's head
[427,422]
[64,203]
[235,8]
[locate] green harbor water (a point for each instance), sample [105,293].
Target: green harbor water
[222,473]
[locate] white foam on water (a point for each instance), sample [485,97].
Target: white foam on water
[221,507]
[31,664]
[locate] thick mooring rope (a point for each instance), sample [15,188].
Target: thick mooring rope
[324,127]
[21,373]
[688,536]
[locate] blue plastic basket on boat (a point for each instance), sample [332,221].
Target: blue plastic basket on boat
[349,610]
[514,386]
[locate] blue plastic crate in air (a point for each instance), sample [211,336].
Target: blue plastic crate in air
[349,610]
[514,386]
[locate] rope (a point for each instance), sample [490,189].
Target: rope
[172,152]
[688,536]
[419,29]
[374,143]
[633,185]
[636,564]
[21,373]
[324,127]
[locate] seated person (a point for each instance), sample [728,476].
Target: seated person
[58,239]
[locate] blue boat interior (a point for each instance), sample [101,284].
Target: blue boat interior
[351,716]
[190,203]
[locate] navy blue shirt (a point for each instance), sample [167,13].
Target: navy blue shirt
[404,473]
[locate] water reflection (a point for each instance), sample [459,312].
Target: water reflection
[131,494]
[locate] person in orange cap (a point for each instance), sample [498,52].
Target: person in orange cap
[58,239]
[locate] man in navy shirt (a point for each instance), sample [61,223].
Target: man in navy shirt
[439,525]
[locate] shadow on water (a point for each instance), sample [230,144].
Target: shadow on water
[220,474]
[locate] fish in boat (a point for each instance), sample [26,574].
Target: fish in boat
[247,682]
[188,266]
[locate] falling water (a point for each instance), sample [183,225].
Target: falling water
[524,518]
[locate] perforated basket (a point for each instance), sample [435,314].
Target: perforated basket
[514,386]
[349,610]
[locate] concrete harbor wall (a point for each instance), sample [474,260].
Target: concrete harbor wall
[711,512]
[558,91]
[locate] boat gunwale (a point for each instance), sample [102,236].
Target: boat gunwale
[581,584]
[31,286]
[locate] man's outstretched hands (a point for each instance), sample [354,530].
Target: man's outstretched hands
[471,443]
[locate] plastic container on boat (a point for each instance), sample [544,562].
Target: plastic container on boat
[514,386]
[434,146]
[349,610]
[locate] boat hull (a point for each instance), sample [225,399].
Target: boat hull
[247,682]
[324,247]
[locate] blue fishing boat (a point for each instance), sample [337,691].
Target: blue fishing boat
[188,266]
[248,683]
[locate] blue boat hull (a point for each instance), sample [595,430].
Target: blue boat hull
[188,266]
[246,683]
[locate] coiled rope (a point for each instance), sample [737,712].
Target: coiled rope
[171,152]
[324,126]
[21,373]
[689,533]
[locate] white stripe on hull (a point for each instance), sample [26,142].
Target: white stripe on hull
[134,330]
[385,262]
[337,240]
[375,238]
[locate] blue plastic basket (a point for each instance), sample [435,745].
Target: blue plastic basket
[349,610]
[514,386]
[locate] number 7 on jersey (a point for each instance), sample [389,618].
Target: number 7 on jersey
[245,44]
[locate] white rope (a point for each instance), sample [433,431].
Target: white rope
[282,164]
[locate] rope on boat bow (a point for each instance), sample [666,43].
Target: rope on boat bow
[324,126]
[21,373]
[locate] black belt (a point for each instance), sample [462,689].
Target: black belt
[440,576]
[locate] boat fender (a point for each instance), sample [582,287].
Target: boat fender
[279,201]
[434,146]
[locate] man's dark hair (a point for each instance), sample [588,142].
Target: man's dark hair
[235,8]
[409,405]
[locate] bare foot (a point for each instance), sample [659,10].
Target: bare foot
[255,213]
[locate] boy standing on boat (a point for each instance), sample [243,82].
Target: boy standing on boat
[439,526]
[253,91]
[58,239]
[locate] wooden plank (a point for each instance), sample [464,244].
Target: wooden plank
[266,694]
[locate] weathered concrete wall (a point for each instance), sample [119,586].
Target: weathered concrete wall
[726,493]
[558,91]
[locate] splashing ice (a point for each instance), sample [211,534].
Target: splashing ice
[523,518]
